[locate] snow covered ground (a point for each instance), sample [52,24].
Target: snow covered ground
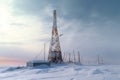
[62,72]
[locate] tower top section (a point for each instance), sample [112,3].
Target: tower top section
[54,18]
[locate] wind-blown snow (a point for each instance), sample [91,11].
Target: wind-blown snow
[62,72]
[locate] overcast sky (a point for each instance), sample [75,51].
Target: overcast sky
[89,26]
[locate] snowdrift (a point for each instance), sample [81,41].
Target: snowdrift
[61,72]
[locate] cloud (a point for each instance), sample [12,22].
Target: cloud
[91,39]
[11,43]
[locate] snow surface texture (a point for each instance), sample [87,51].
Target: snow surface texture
[62,72]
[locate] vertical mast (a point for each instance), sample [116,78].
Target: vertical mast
[74,56]
[44,51]
[98,59]
[55,54]
[54,19]
[79,58]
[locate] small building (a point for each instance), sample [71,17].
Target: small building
[35,63]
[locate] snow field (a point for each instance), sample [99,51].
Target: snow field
[62,72]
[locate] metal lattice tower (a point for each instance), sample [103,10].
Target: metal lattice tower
[55,55]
